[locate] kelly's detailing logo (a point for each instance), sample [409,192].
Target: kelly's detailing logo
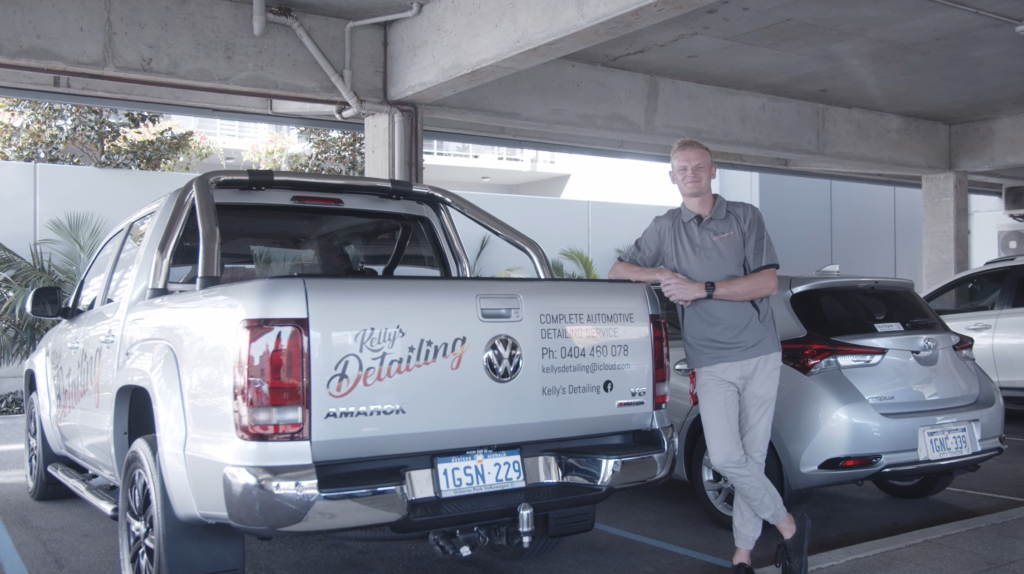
[503,358]
[71,384]
[370,411]
[377,361]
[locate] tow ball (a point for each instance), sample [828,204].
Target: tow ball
[462,543]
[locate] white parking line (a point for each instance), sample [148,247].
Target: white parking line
[12,476]
[986,494]
[10,562]
[1012,438]
[6,447]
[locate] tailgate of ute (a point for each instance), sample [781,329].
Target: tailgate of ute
[400,366]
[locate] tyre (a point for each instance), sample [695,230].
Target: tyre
[539,546]
[920,487]
[151,539]
[715,492]
[38,455]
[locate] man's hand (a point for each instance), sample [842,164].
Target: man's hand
[681,290]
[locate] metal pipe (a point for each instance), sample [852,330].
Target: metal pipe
[401,147]
[347,72]
[980,12]
[259,16]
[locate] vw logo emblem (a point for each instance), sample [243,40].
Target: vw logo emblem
[929,344]
[503,358]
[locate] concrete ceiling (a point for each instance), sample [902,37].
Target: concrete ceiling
[913,58]
[344,9]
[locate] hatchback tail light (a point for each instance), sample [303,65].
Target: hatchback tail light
[693,388]
[812,354]
[659,345]
[965,347]
[272,380]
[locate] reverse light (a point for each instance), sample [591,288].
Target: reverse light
[812,354]
[272,380]
[964,347]
[659,346]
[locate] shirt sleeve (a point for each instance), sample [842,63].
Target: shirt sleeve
[758,251]
[648,250]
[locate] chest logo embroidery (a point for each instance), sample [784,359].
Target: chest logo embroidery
[724,235]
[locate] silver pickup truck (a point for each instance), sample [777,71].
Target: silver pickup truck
[272,354]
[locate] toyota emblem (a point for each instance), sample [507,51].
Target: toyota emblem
[503,358]
[929,344]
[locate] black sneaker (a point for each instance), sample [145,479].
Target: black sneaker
[742,568]
[791,555]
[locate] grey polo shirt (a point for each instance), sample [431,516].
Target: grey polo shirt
[732,242]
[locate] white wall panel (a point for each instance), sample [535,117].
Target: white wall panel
[797,212]
[863,228]
[17,196]
[616,225]
[113,194]
[909,231]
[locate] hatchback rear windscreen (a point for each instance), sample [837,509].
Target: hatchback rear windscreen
[841,311]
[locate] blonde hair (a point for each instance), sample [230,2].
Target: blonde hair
[687,144]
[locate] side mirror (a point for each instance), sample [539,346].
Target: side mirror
[45,303]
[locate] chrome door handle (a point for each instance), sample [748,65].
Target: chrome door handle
[73,346]
[683,368]
[979,327]
[107,339]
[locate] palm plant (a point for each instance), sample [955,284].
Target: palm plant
[578,257]
[476,269]
[59,262]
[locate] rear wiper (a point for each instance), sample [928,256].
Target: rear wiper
[922,323]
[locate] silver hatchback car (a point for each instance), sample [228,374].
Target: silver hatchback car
[874,386]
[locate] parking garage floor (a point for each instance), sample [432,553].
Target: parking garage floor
[976,525]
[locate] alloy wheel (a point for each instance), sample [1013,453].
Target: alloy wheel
[32,446]
[717,487]
[139,516]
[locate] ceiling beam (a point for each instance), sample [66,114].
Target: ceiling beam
[988,145]
[456,45]
[584,104]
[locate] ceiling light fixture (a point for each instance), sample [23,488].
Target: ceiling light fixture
[485,178]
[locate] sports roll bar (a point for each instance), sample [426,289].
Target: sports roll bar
[201,189]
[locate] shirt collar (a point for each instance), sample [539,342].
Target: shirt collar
[717,212]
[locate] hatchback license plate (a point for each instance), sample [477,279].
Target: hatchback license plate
[477,472]
[944,442]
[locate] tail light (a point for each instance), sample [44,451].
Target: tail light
[965,347]
[693,388]
[272,380]
[659,344]
[812,354]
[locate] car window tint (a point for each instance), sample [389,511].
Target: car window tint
[121,278]
[1018,295]
[92,284]
[841,311]
[185,260]
[978,292]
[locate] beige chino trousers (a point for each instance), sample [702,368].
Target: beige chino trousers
[737,404]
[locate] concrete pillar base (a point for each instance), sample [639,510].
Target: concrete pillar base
[944,245]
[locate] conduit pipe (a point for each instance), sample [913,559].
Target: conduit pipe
[259,16]
[347,72]
[1019,24]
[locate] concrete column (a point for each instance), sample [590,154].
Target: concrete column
[382,145]
[944,245]
[379,130]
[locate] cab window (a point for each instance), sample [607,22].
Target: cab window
[91,287]
[120,280]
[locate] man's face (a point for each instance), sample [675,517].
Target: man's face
[692,172]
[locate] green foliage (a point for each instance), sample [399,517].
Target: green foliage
[623,249]
[48,132]
[329,151]
[476,270]
[580,259]
[61,262]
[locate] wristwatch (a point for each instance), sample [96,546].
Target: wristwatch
[710,288]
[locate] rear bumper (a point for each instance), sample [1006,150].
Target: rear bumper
[272,501]
[923,468]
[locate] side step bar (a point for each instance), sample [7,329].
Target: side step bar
[103,497]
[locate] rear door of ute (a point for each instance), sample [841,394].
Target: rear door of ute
[408,365]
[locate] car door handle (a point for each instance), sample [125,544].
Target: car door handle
[107,339]
[683,368]
[73,346]
[979,327]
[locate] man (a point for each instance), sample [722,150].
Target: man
[715,260]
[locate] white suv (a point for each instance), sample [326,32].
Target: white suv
[987,304]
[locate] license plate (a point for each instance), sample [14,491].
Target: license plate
[476,472]
[938,443]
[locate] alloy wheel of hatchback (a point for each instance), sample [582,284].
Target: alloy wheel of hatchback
[718,488]
[139,515]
